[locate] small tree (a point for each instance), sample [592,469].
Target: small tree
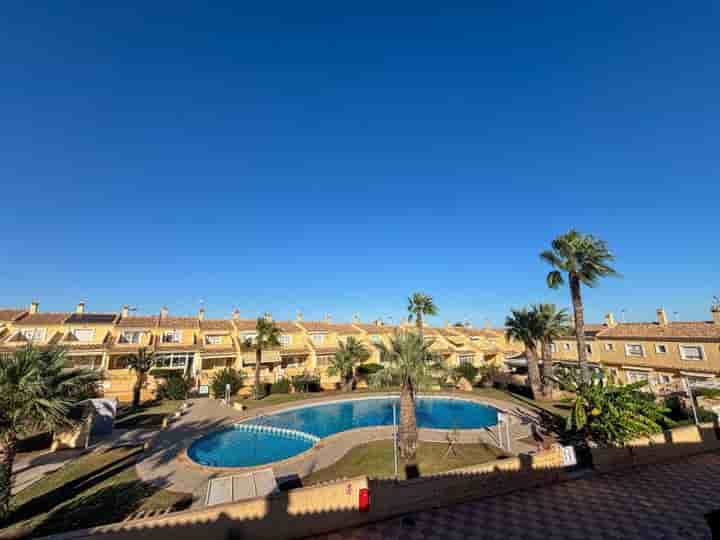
[36,393]
[224,377]
[524,326]
[351,353]
[608,413]
[141,363]
[554,324]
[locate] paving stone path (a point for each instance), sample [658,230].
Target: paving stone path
[653,502]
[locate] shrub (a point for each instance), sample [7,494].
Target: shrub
[280,387]
[707,392]
[609,413]
[678,413]
[223,378]
[306,383]
[365,370]
[468,371]
[175,387]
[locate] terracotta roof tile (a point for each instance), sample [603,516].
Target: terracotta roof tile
[216,324]
[245,325]
[9,315]
[92,318]
[674,330]
[288,327]
[482,332]
[178,322]
[38,319]
[139,322]
[322,326]
[376,329]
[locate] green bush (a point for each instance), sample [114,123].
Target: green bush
[175,387]
[678,414]
[280,387]
[306,383]
[222,378]
[707,392]
[468,371]
[364,370]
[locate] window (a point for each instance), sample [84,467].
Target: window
[173,360]
[33,334]
[466,359]
[130,336]
[664,379]
[661,349]
[636,376]
[171,336]
[553,347]
[567,346]
[285,340]
[588,348]
[691,352]
[318,339]
[248,336]
[609,347]
[375,339]
[85,334]
[213,340]
[635,350]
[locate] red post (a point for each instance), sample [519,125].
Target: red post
[364,500]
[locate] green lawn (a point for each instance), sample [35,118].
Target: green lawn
[149,415]
[98,488]
[376,459]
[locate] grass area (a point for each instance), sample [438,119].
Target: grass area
[98,488]
[376,459]
[148,416]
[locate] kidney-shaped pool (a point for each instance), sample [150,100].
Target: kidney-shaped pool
[279,436]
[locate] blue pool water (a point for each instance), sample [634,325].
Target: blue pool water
[246,446]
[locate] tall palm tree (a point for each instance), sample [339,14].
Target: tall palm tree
[351,353]
[409,360]
[585,259]
[36,393]
[419,305]
[554,324]
[141,363]
[267,336]
[524,326]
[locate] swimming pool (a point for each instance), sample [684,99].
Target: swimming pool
[279,436]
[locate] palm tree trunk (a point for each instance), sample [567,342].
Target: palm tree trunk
[419,323]
[578,312]
[533,371]
[258,359]
[137,388]
[548,386]
[8,449]
[408,436]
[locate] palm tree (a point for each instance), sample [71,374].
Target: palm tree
[141,363]
[267,336]
[351,353]
[409,360]
[36,393]
[524,326]
[419,305]
[554,324]
[585,259]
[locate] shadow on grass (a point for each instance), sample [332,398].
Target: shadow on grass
[47,501]
[139,420]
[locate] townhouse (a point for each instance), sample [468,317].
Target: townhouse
[662,352]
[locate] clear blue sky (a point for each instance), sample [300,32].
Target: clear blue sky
[334,157]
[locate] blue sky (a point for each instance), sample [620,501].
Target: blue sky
[329,157]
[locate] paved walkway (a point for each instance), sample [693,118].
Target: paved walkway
[654,502]
[164,468]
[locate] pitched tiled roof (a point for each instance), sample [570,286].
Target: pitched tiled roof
[245,325]
[139,322]
[287,326]
[322,326]
[482,332]
[674,330]
[178,322]
[376,329]
[216,324]
[39,319]
[9,315]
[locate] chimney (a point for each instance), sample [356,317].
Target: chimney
[298,316]
[378,322]
[236,314]
[662,317]
[80,309]
[355,318]
[267,317]
[164,312]
[610,320]
[201,314]
[34,307]
[715,310]
[328,318]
